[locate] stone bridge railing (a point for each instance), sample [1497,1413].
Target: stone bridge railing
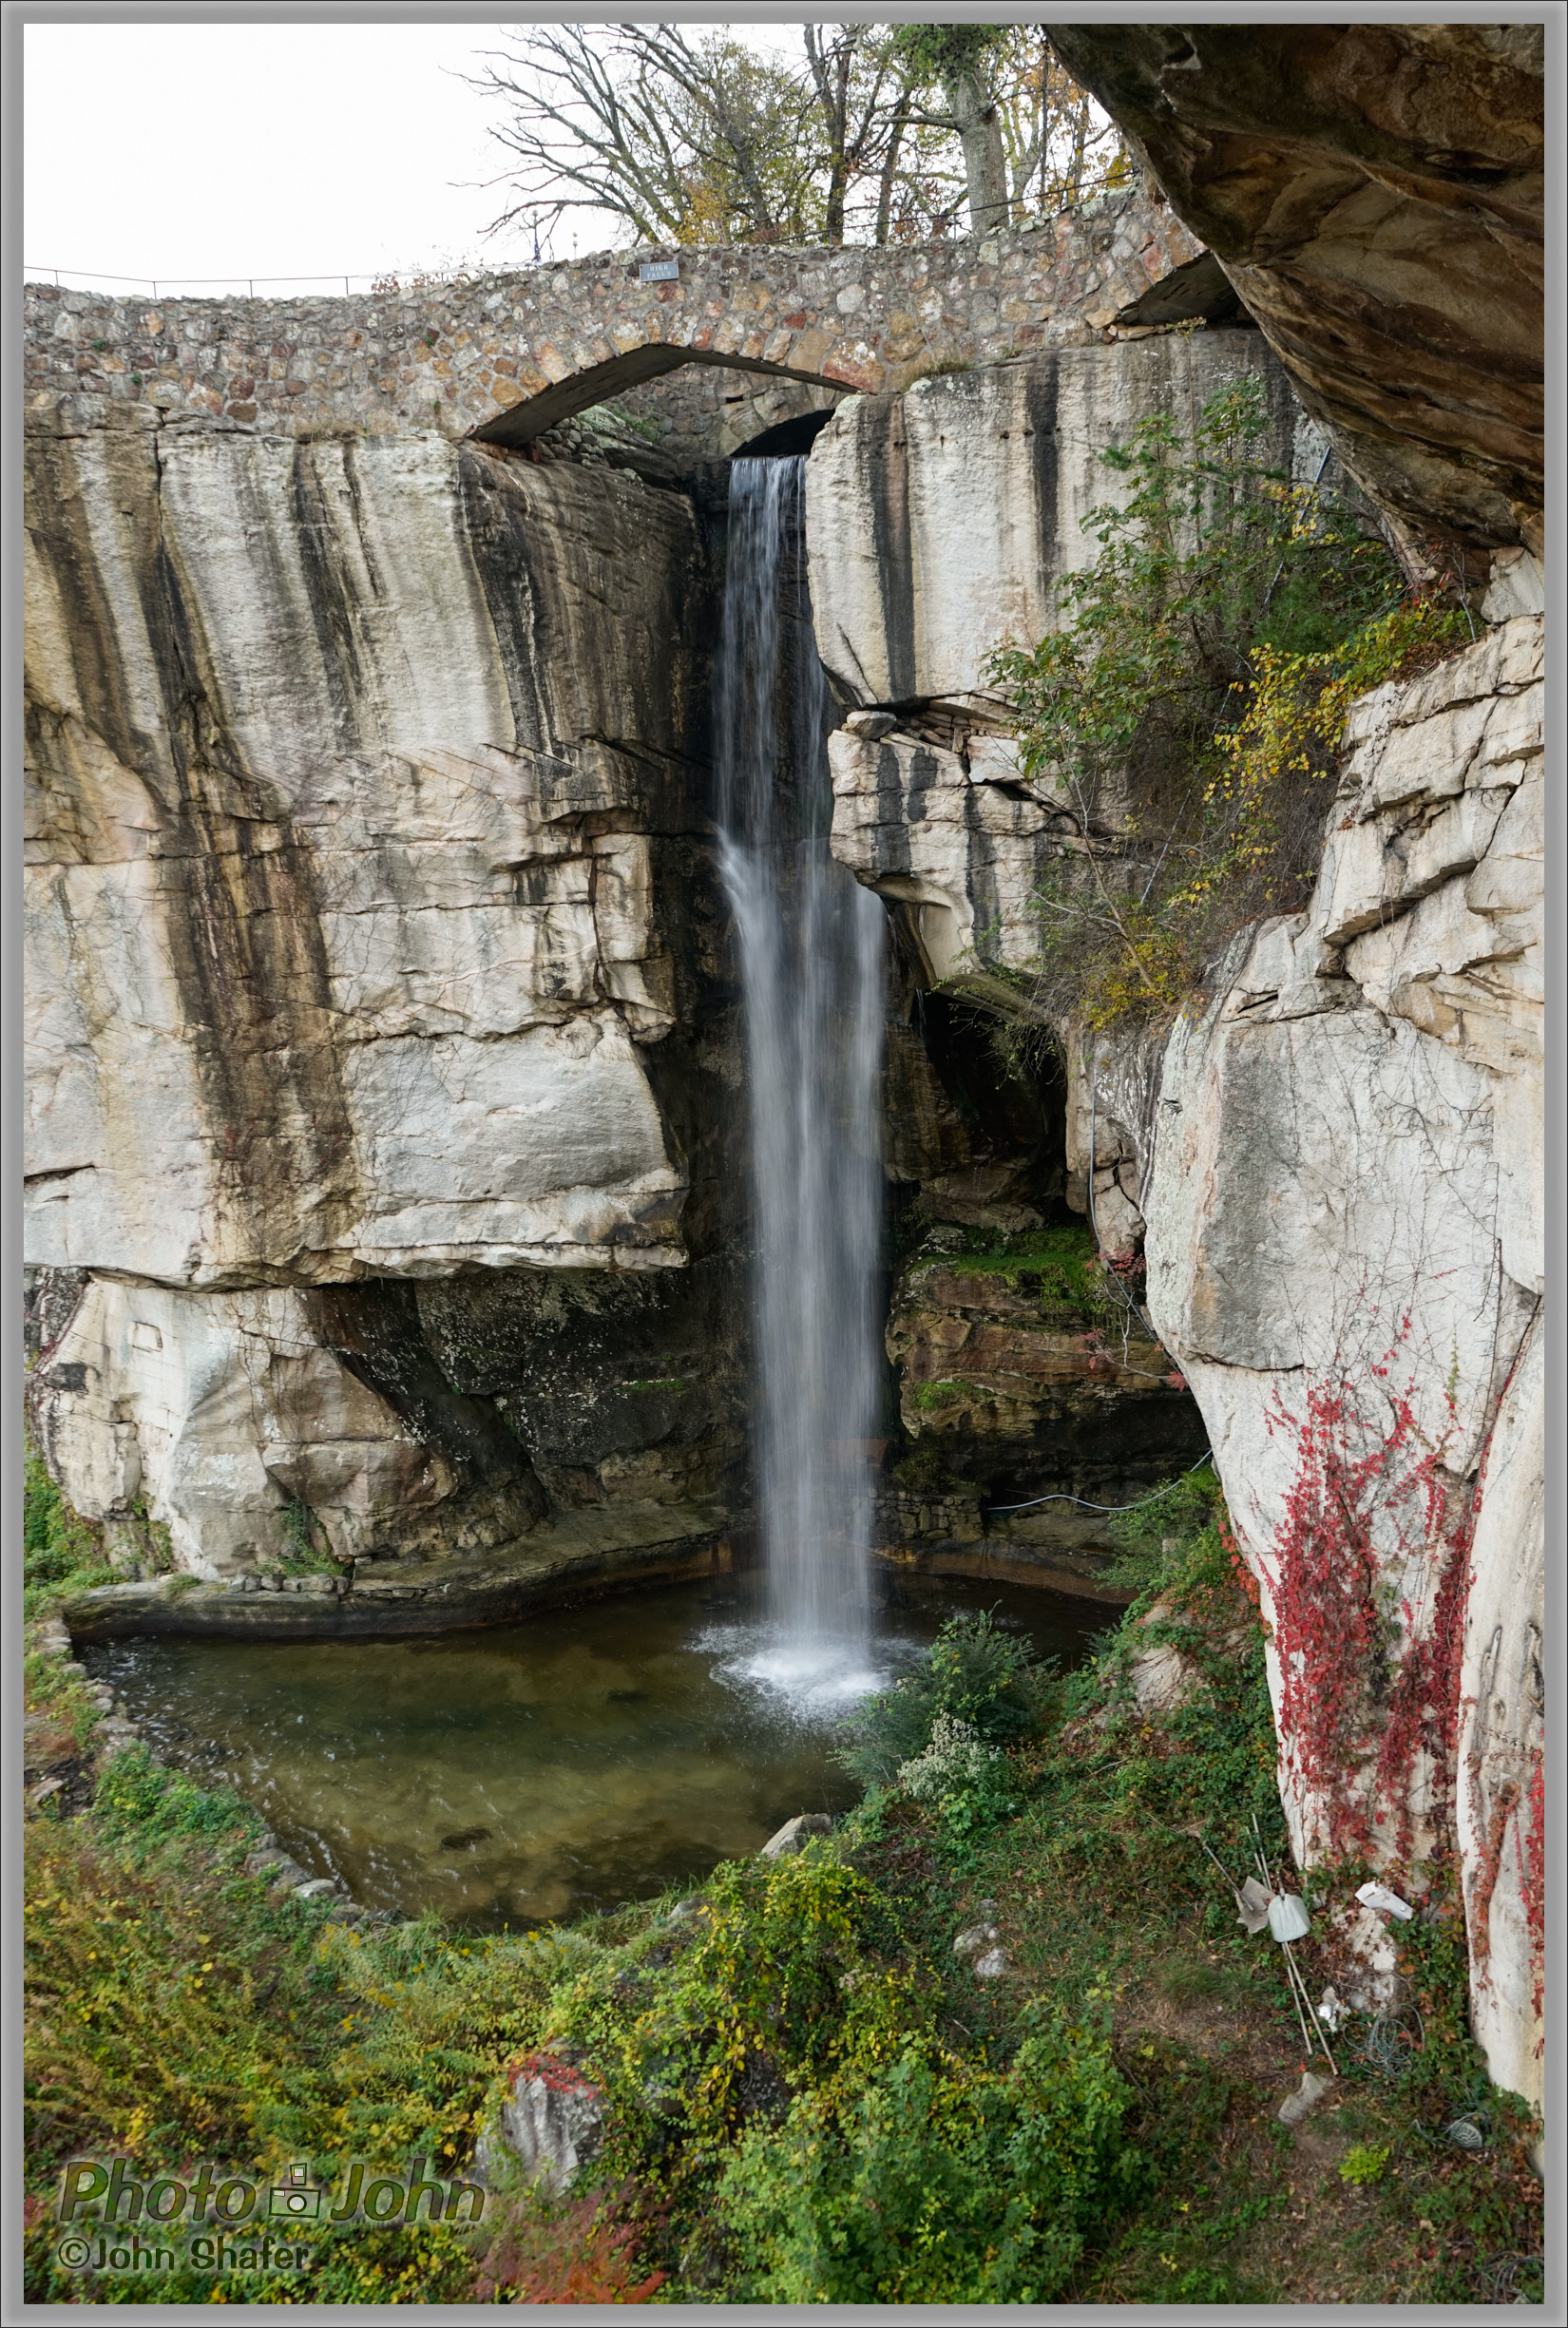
[508,357]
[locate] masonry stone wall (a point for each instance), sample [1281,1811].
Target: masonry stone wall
[509,355]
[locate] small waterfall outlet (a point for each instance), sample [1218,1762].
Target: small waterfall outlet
[810,948]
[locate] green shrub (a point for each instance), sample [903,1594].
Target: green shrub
[937,2181]
[61,1553]
[1364,2163]
[1189,702]
[975,1672]
[1158,1538]
[969,1783]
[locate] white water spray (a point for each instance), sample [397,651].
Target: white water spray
[810,948]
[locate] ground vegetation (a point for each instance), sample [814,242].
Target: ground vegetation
[810,2094]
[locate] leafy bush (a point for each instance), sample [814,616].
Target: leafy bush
[1364,2163]
[61,1553]
[1158,1538]
[786,1980]
[974,1671]
[938,2181]
[1191,699]
[967,1781]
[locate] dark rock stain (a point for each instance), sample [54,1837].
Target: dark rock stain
[244,931]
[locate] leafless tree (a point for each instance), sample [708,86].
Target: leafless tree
[883,132]
[858,85]
[682,139]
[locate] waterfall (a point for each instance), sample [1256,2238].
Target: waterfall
[811,949]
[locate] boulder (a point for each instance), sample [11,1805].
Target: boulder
[795,1832]
[553,2118]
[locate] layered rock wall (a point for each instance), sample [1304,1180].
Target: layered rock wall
[1334,1156]
[350,771]
[940,522]
[371,944]
[1344,1255]
[1376,193]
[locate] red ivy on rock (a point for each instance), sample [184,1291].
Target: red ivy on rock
[1532,1881]
[571,2254]
[1364,1694]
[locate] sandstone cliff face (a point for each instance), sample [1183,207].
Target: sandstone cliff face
[1335,1159]
[352,761]
[939,525]
[1345,1208]
[940,519]
[367,944]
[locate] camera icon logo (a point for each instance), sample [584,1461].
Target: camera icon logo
[294,2197]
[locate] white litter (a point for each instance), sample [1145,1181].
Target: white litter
[1296,2106]
[1378,1896]
[1288,1917]
[1252,1902]
[1332,2009]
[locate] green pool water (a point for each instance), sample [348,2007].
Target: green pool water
[527,1772]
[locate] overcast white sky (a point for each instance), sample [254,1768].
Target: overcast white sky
[190,150]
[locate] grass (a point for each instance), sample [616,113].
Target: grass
[1096,2126]
[61,1553]
[1057,1267]
[933,1396]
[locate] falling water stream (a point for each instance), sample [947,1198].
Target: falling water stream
[523,1772]
[811,950]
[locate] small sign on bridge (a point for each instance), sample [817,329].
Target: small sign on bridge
[660,271]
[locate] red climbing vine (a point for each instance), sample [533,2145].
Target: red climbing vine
[1532,1881]
[1368,1683]
[1488,1868]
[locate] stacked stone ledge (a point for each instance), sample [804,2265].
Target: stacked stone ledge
[456,356]
[904,1516]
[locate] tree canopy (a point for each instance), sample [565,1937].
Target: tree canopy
[876,133]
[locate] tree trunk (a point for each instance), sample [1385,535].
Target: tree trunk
[890,171]
[1080,134]
[984,163]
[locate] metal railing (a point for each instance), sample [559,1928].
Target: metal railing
[171,285]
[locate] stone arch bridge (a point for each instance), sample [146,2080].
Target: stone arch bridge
[507,358]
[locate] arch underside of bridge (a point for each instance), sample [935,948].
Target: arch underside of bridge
[598,382]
